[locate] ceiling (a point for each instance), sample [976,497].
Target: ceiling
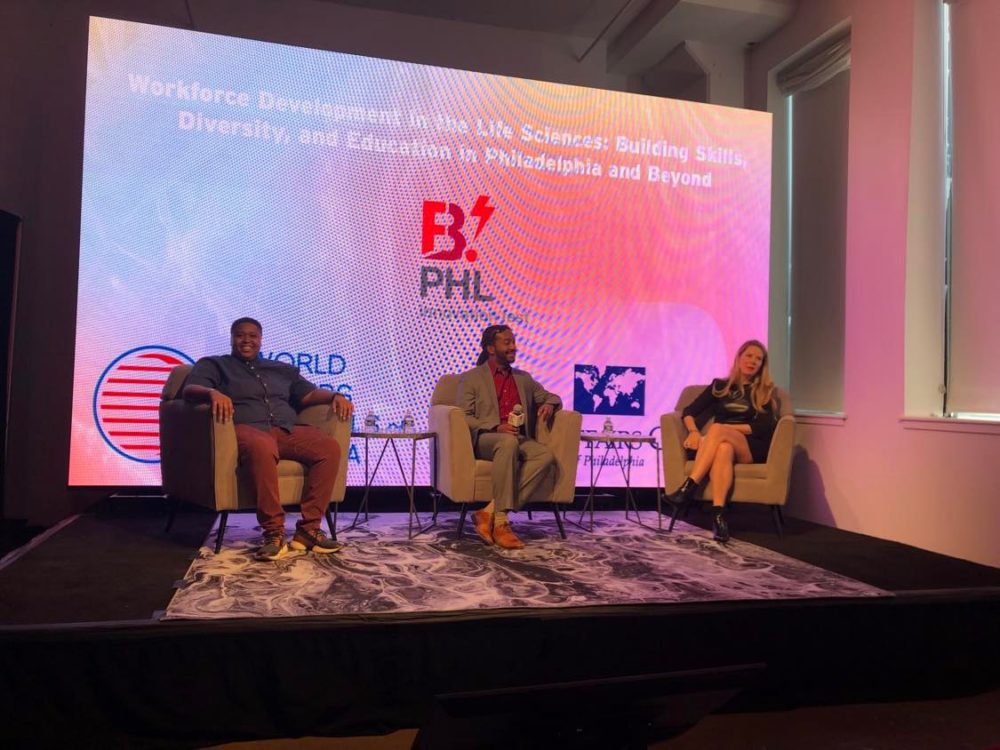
[563,17]
[639,33]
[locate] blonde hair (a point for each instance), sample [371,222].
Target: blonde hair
[761,386]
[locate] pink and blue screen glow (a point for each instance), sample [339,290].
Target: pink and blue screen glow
[376,215]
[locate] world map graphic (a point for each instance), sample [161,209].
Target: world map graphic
[610,389]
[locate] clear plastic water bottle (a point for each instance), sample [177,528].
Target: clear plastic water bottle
[370,421]
[609,427]
[408,421]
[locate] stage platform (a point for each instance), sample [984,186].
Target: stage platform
[86,652]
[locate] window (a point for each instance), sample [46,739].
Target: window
[816,87]
[972,178]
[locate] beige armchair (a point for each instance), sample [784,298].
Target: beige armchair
[198,458]
[464,479]
[765,483]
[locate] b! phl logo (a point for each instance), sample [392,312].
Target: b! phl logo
[443,239]
[127,400]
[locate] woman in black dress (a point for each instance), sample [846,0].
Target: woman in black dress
[745,413]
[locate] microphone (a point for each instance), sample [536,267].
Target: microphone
[516,416]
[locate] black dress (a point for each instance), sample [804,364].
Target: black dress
[735,407]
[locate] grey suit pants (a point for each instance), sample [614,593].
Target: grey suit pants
[520,465]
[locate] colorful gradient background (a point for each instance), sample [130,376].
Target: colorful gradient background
[184,231]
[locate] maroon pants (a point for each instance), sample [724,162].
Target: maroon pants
[259,454]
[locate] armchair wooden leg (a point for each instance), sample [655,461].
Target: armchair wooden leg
[529,514]
[223,517]
[331,520]
[461,519]
[778,520]
[559,521]
[174,502]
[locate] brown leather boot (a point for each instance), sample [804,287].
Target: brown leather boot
[483,521]
[504,536]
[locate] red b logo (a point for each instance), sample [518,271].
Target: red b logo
[451,230]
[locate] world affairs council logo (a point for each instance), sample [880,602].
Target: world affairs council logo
[612,390]
[127,400]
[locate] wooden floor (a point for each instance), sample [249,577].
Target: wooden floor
[971,723]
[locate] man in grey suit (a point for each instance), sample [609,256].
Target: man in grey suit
[502,407]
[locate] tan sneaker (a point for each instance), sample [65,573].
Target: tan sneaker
[316,542]
[273,548]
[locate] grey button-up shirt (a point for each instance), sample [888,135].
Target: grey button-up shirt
[264,392]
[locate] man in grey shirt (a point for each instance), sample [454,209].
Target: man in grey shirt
[261,397]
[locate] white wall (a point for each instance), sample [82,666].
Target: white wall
[43,61]
[879,472]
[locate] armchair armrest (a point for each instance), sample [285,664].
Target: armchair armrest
[323,417]
[672,433]
[197,455]
[779,460]
[455,469]
[564,440]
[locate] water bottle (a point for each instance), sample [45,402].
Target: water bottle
[609,427]
[370,421]
[408,421]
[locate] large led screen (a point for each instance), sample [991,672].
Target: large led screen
[376,215]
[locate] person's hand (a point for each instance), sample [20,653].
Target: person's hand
[546,412]
[222,406]
[693,440]
[508,428]
[342,406]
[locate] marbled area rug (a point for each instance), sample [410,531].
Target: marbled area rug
[381,572]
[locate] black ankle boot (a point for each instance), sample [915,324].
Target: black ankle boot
[684,495]
[720,529]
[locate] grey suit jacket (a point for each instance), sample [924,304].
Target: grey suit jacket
[477,397]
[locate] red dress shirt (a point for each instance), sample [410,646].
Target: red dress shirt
[507,395]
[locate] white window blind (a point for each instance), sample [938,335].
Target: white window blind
[819,87]
[974,293]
